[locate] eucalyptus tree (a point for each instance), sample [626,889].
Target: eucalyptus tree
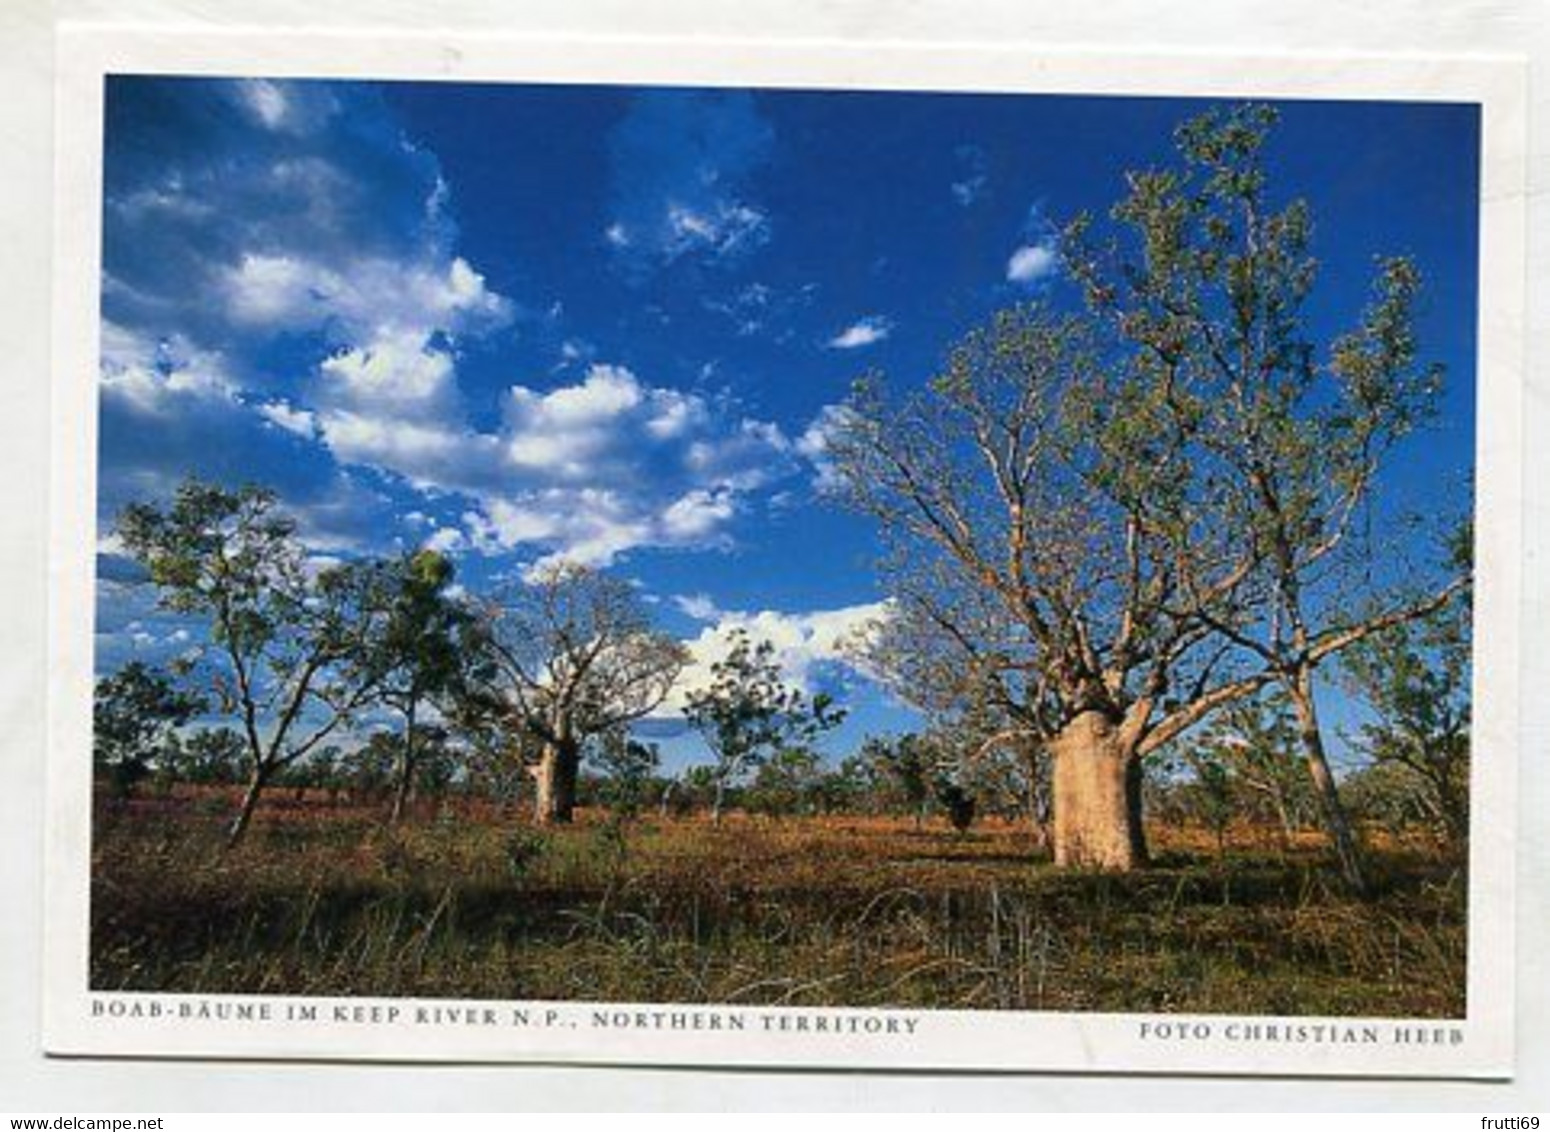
[1415,679]
[280,632]
[416,655]
[748,713]
[628,767]
[135,714]
[573,655]
[1256,743]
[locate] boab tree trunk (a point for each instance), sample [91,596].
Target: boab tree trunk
[1097,796]
[558,764]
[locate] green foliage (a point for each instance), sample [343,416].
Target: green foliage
[628,767]
[790,782]
[207,756]
[133,718]
[413,652]
[1415,678]
[747,713]
[285,638]
[905,766]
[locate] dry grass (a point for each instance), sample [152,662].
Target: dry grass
[843,911]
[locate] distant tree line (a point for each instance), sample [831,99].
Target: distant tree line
[377,682]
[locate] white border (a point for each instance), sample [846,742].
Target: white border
[941,1039]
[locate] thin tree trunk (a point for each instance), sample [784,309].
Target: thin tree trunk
[555,803]
[405,769]
[1284,815]
[239,824]
[1097,797]
[717,800]
[1037,802]
[1300,692]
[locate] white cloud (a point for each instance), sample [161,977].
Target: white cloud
[446,540]
[676,413]
[722,228]
[591,526]
[968,190]
[396,374]
[593,471]
[802,642]
[1032,262]
[815,442]
[293,108]
[160,377]
[680,162]
[698,606]
[266,100]
[429,454]
[697,514]
[864,332]
[299,422]
[360,298]
[605,393]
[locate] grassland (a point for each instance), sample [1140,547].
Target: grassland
[851,911]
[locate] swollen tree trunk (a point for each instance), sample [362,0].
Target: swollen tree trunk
[1300,692]
[1097,796]
[239,824]
[558,765]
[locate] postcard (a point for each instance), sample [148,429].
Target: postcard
[701,553]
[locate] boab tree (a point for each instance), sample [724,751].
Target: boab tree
[1107,525]
[1204,285]
[574,656]
[1033,565]
[281,634]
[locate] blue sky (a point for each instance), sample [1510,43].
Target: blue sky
[522,322]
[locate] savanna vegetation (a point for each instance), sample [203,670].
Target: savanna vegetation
[1132,548]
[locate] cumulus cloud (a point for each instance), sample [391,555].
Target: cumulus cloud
[297,422]
[805,644]
[365,297]
[285,107]
[160,376]
[585,471]
[864,332]
[815,442]
[242,211]
[700,606]
[281,271]
[1031,263]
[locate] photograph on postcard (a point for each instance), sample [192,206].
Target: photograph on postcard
[766,549]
